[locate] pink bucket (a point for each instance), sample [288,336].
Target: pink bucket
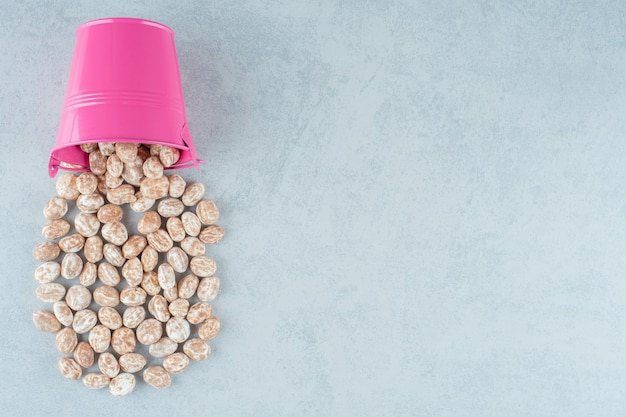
[124,86]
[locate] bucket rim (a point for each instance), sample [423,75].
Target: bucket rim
[139,141]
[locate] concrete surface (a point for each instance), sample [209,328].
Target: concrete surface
[424,201]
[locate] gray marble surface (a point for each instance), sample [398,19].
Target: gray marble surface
[424,202]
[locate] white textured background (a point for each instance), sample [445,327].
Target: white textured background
[424,201]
